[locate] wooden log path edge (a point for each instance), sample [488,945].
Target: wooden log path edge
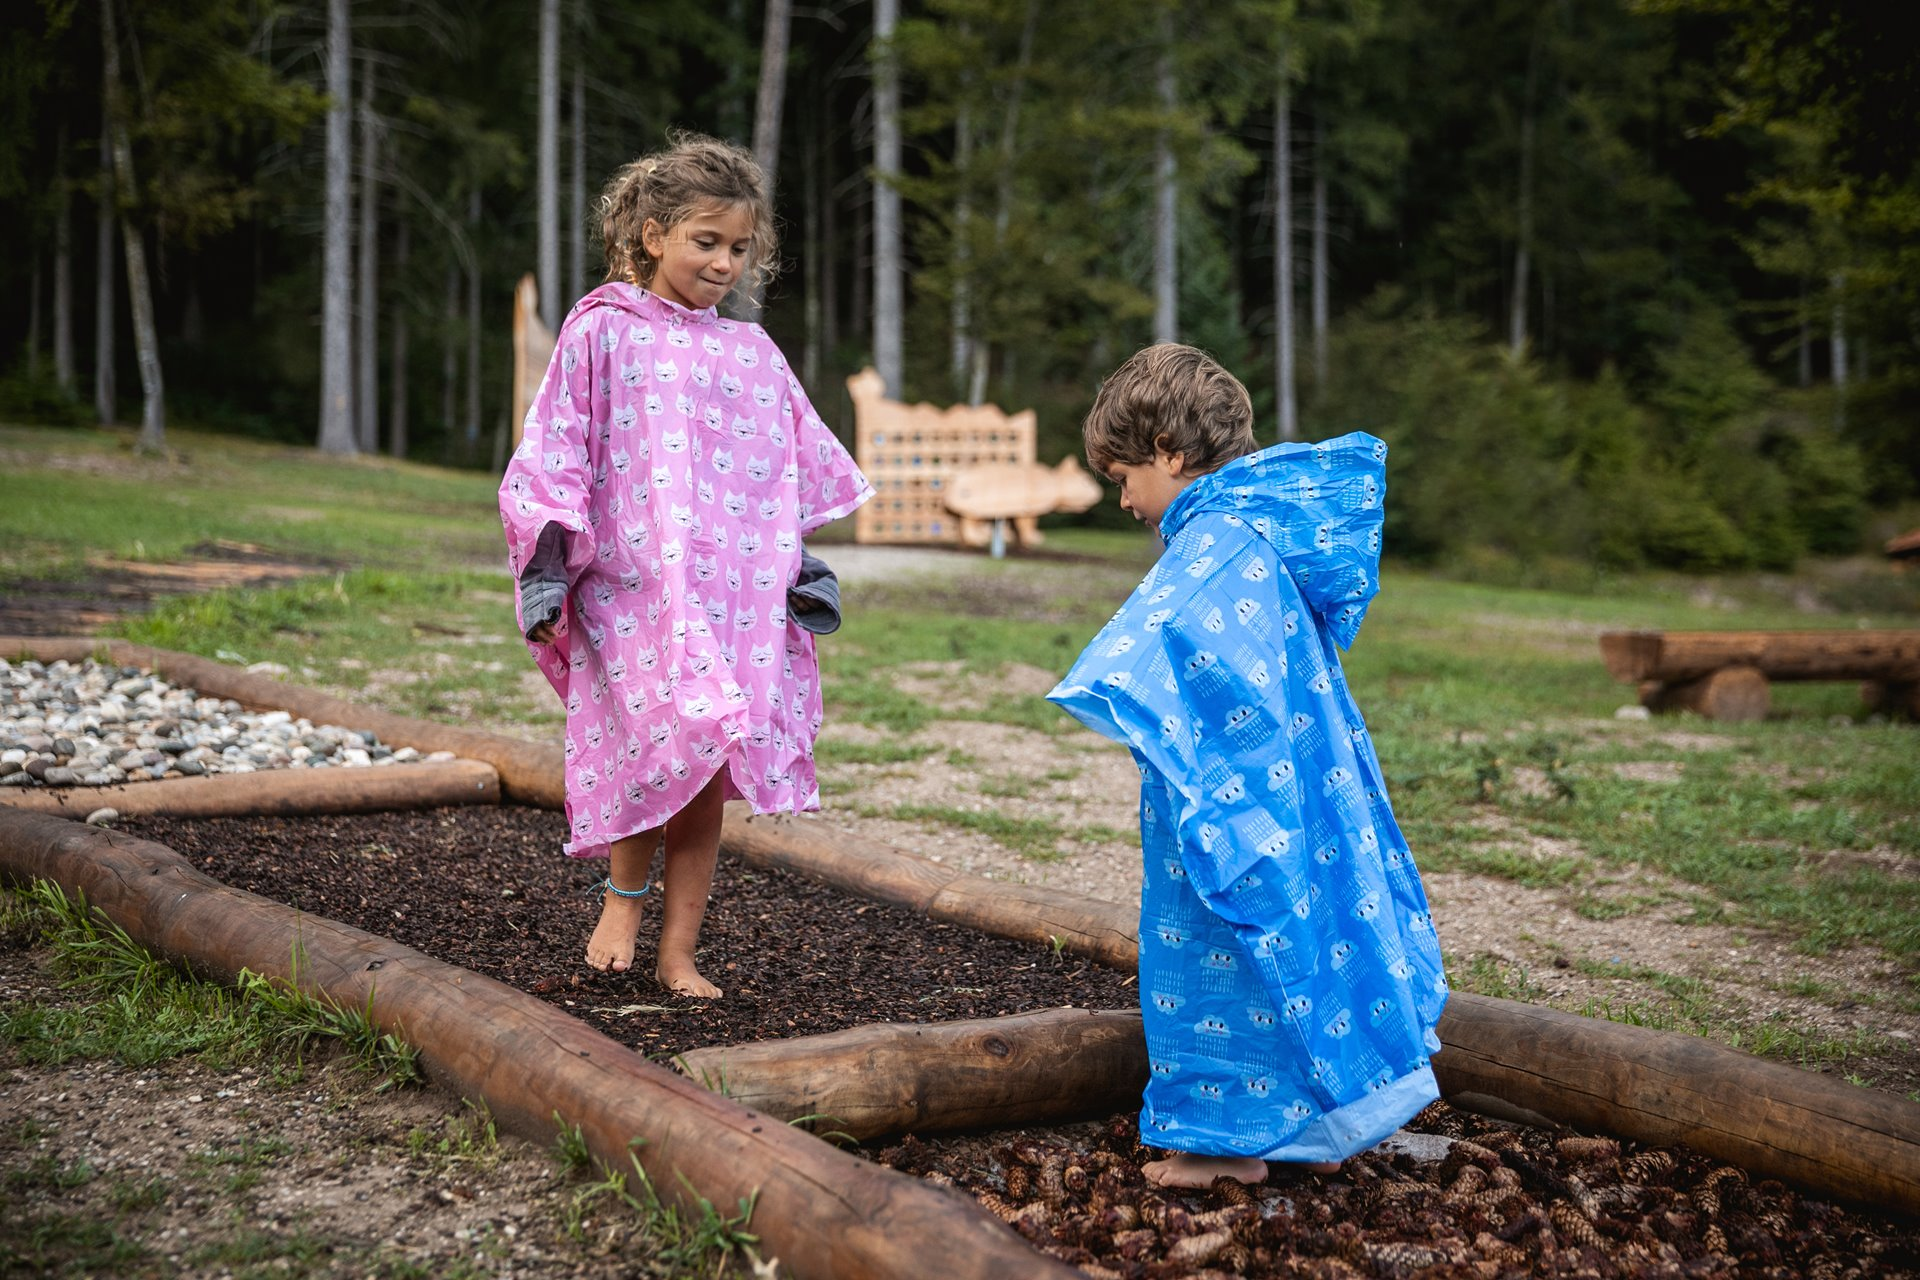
[823,1212]
[278,793]
[1638,1083]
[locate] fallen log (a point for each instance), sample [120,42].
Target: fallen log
[283,793]
[530,773]
[892,1078]
[822,1212]
[1834,654]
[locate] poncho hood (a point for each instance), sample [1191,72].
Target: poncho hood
[1318,505]
[643,303]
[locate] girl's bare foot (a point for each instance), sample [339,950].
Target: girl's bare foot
[1198,1172]
[685,980]
[610,949]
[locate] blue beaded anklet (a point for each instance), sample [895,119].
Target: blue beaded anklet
[608,886]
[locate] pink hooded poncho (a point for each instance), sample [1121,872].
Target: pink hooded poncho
[685,463]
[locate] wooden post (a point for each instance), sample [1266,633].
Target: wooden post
[822,1212]
[1731,693]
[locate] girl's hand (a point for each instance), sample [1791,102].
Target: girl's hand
[542,634]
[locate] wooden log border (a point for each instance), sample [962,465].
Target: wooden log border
[280,793]
[1651,1086]
[822,1211]
[890,1078]
[1062,1064]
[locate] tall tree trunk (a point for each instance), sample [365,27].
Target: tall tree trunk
[829,207]
[105,270]
[1320,264]
[810,185]
[62,267]
[547,164]
[1283,339]
[860,304]
[1523,239]
[1166,261]
[1838,343]
[960,317]
[577,223]
[146,335]
[450,357]
[366,354]
[33,317]
[397,373]
[473,334]
[336,263]
[766,115]
[773,89]
[1003,200]
[732,112]
[1838,339]
[888,285]
[1805,370]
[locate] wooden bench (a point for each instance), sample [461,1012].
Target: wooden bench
[1725,675]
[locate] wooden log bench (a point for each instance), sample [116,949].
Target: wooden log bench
[1726,675]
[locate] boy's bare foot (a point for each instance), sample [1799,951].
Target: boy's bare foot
[610,949]
[1198,1172]
[685,980]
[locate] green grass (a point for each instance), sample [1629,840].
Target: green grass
[1037,839]
[140,1010]
[96,498]
[693,1240]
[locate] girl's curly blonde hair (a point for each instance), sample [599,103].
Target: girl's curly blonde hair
[695,172]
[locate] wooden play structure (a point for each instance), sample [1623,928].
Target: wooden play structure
[1725,675]
[915,455]
[822,1211]
[532,349]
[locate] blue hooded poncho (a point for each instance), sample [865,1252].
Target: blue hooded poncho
[1290,978]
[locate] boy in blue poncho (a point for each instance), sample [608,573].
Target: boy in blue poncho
[1290,978]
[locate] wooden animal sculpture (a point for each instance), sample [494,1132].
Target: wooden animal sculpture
[987,495]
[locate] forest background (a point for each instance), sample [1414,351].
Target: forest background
[1623,282]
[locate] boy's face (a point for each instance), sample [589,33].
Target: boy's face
[1148,488]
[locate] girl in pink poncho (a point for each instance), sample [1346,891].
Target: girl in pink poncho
[670,466]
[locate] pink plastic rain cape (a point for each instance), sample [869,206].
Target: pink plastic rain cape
[685,463]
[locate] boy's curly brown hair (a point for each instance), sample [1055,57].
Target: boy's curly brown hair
[1169,398]
[694,172]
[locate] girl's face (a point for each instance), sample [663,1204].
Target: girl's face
[701,257]
[1148,488]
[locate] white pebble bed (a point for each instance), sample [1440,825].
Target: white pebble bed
[65,724]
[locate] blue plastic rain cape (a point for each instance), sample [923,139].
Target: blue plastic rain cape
[1290,978]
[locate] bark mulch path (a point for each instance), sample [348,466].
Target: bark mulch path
[1465,1196]
[490,891]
